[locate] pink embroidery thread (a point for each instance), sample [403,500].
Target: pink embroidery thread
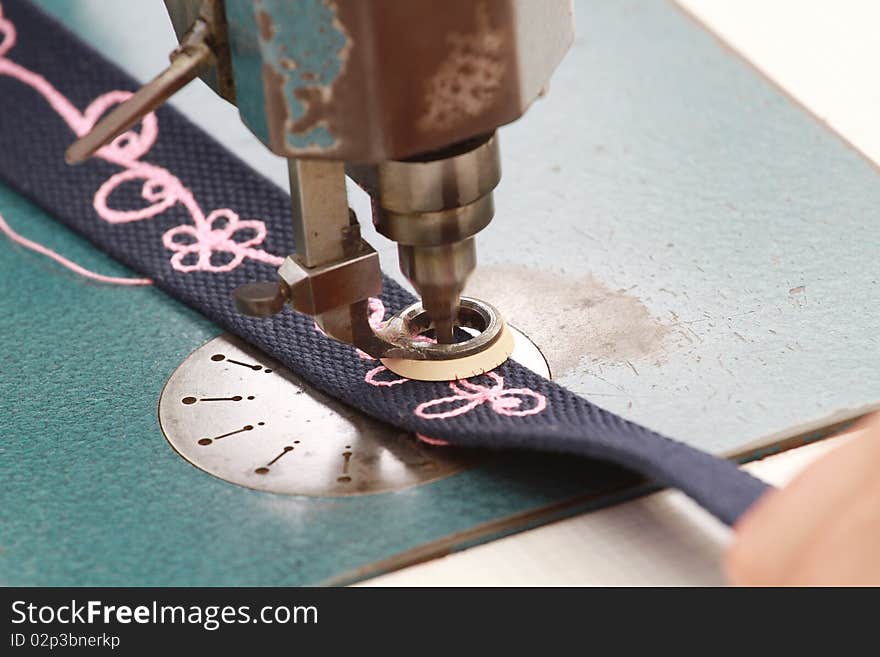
[193,245]
[436,442]
[212,234]
[503,401]
[372,378]
[57,257]
[377,321]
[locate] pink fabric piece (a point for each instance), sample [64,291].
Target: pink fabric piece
[82,271]
[159,187]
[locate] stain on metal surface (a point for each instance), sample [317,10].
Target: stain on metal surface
[572,317]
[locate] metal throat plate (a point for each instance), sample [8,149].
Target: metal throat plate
[233,412]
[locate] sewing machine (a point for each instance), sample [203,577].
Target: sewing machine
[625,249]
[404,96]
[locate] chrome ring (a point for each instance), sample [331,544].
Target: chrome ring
[402,329]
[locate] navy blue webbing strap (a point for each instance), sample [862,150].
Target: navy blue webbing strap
[209,223]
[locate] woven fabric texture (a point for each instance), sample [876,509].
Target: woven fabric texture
[33,138]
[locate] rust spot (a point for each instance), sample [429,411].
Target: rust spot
[318,107]
[264,24]
[314,99]
[276,107]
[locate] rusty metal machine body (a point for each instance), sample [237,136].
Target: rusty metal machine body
[404,97]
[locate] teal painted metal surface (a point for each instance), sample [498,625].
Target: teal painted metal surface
[673,169]
[92,494]
[305,47]
[300,46]
[247,66]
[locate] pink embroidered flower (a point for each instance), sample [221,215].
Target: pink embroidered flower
[512,402]
[221,234]
[221,241]
[217,243]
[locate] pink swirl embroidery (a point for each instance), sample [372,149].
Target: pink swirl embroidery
[373,377]
[503,401]
[222,233]
[217,243]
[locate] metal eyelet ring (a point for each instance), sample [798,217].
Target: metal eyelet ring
[428,361]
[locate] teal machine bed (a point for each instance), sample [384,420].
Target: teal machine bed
[686,246]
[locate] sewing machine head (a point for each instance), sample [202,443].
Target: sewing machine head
[405,98]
